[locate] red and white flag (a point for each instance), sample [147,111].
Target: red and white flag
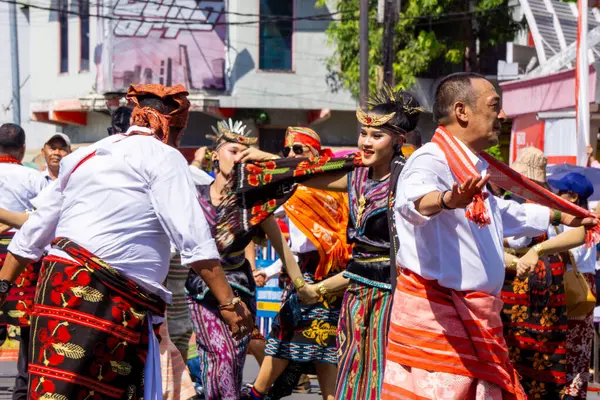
[582,104]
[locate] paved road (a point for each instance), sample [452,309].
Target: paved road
[251,371]
[8,372]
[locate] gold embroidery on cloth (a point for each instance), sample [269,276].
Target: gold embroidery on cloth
[320,331]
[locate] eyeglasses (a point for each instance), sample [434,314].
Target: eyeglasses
[297,148]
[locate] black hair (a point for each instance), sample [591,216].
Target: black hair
[12,137]
[581,202]
[453,88]
[406,108]
[414,137]
[164,106]
[120,120]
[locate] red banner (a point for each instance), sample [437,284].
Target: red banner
[527,131]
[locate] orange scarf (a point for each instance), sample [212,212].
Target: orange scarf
[148,117]
[323,217]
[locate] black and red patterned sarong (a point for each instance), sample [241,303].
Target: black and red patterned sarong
[536,335]
[89,329]
[17,309]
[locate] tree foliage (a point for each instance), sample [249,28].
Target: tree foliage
[432,37]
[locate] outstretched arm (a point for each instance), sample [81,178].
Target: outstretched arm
[13,219]
[563,242]
[333,181]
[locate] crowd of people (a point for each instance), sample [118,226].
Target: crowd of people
[410,271]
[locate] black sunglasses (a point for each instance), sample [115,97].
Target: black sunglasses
[297,148]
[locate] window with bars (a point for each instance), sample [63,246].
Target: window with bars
[275,37]
[63,23]
[84,35]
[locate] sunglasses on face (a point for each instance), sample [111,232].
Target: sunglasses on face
[298,149]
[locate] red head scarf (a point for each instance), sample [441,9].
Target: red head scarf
[148,117]
[306,136]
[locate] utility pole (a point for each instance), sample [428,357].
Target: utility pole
[364,52]
[14,47]
[390,20]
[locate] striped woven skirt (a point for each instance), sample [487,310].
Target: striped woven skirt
[221,357]
[180,326]
[362,337]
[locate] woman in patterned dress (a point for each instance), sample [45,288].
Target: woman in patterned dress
[370,274]
[542,339]
[317,226]
[222,357]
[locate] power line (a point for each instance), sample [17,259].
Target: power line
[448,16]
[263,19]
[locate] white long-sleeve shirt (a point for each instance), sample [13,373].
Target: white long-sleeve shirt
[18,186]
[447,247]
[125,205]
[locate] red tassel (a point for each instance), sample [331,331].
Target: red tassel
[477,211]
[592,236]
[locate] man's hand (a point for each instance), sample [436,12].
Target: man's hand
[527,263]
[254,154]
[461,196]
[239,319]
[3,299]
[575,222]
[260,277]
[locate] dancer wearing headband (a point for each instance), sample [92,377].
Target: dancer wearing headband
[368,178]
[222,357]
[317,221]
[114,209]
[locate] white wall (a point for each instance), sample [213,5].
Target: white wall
[47,81]
[303,88]
[35,132]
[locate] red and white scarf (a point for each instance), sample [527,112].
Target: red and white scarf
[508,179]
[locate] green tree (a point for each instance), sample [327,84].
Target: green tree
[432,36]
[495,152]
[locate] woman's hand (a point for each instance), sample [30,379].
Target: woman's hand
[308,294]
[527,263]
[260,277]
[254,154]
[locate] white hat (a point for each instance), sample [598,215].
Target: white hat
[60,136]
[531,162]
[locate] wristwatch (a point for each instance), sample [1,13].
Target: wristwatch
[5,286]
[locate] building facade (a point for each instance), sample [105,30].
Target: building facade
[263,61]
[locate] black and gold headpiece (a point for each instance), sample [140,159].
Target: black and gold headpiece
[397,101]
[229,131]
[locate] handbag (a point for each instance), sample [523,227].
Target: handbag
[580,299]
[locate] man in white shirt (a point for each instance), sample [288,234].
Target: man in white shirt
[446,334]
[56,147]
[19,185]
[113,212]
